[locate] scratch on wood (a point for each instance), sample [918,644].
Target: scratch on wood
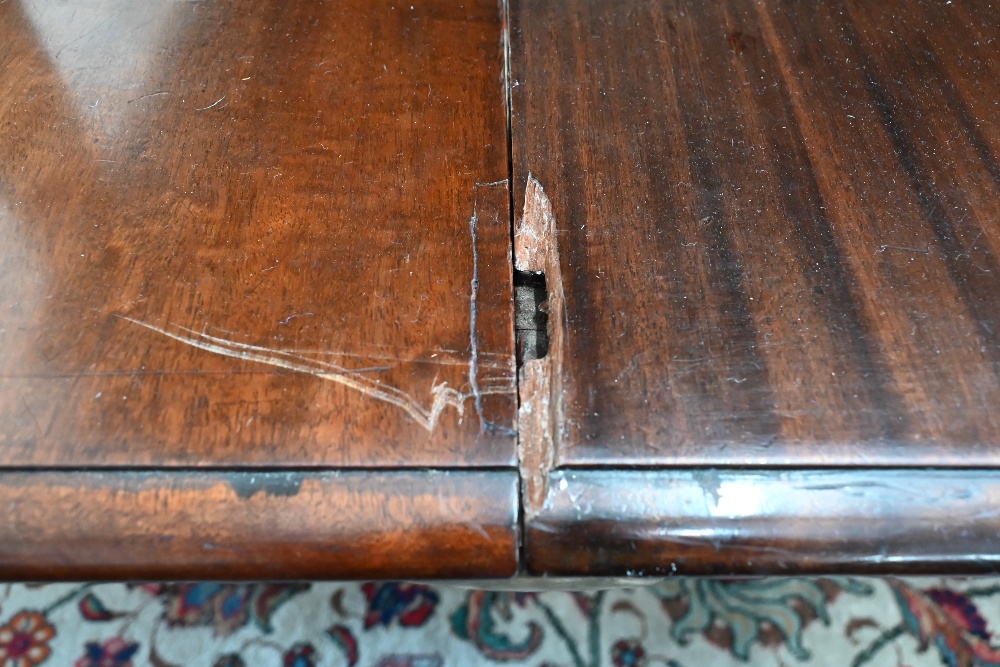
[632,365]
[210,106]
[142,97]
[540,415]
[31,413]
[477,393]
[473,296]
[442,395]
[288,319]
[922,251]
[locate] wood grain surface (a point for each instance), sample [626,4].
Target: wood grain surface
[257,525]
[667,523]
[254,233]
[778,225]
[256,313]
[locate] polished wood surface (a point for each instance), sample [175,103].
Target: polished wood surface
[257,525]
[778,225]
[766,522]
[256,314]
[254,233]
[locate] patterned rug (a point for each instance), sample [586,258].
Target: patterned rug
[679,622]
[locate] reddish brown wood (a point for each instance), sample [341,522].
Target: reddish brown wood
[239,233]
[246,236]
[778,225]
[759,522]
[257,525]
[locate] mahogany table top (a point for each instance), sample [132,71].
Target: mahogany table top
[259,266]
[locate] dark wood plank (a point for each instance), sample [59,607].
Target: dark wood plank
[777,224]
[247,233]
[766,522]
[257,525]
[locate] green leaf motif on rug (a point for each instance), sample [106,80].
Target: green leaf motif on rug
[744,608]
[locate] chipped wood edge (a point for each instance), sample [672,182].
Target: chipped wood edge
[540,411]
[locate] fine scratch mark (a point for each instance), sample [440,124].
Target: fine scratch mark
[31,413]
[442,395]
[292,317]
[473,312]
[211,105]
[77,39]
[630,367]
[473,338]
[159,92]
[922,251]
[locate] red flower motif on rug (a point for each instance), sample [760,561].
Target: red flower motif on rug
[950,621]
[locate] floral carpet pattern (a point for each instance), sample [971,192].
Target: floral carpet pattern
[675,623]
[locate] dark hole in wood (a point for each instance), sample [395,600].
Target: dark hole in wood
[531,316]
